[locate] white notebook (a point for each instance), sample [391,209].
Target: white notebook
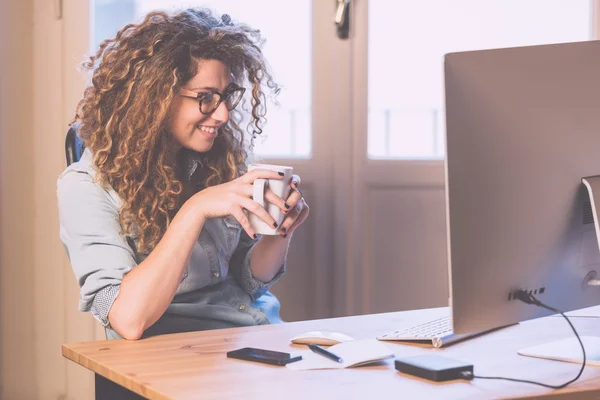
[353,353]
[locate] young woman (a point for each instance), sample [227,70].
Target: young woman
[154,215]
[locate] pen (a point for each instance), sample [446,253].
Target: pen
[326,353]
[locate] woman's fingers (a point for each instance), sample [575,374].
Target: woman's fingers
[294,218]
[255,208]
[294,195]
[250,177]
[303,214]
[298,208]
[241,217]
[247,190]
[272,198]
[295,183]
[289,220]
[293,198]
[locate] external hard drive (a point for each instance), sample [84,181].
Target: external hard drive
[434,367]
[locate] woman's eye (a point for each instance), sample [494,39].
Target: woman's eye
[209,98]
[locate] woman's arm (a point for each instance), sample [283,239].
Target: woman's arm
[118,291]
[268,256]
[148,289]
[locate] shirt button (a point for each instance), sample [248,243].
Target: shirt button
[216,274]
[242,307]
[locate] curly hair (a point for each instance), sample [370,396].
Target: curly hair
[123,114]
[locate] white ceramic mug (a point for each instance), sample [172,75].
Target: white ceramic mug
[281,187]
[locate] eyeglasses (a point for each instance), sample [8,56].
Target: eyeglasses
[209,102]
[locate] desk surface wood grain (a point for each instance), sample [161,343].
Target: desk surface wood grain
[194,365]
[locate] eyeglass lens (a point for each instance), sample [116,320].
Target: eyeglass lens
[210,102]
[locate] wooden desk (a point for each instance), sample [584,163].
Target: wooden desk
[194,365]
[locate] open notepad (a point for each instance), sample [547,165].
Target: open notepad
[354,353]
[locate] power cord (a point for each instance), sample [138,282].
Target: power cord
[531,299]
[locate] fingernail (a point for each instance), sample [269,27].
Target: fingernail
[274,224]
[295,183]
[286,205]
[255,237]
[280,173]
[285,236]
[283,230]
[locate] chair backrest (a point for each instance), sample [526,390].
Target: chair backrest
[73,145]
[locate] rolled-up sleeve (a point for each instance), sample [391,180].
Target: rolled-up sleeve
[240,268]
[91,234]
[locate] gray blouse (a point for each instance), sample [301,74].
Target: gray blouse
[217,289]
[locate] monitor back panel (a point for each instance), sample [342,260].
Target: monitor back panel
[523,128]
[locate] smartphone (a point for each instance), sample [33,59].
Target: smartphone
[264,356]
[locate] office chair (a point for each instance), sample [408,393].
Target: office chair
[74,145]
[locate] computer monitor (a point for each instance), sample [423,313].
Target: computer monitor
[523,129]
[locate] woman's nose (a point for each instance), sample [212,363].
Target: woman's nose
[221,113]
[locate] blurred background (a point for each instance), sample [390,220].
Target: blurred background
[360,119]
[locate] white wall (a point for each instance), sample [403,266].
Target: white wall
[17,330]
[38,295]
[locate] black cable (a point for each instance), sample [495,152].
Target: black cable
[530,299]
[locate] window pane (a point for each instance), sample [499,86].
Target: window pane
[287,132]
[407,42]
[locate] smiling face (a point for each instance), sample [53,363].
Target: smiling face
[190,128]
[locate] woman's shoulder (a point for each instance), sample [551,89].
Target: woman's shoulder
[79,181]
[85,165]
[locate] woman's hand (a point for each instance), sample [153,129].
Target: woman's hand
[270,252]
[298,208]
[233,197]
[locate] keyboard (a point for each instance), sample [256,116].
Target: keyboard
[437,331]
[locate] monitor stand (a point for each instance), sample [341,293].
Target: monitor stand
[592,183]
[569,350]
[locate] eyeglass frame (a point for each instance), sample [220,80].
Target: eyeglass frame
[230,89]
